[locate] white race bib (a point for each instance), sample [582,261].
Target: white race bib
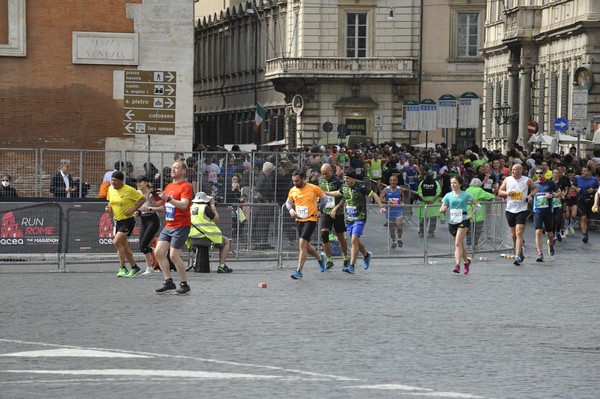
[330,202]
[376,173]
[169,212]
[302,212]
[351,211]
[456,216]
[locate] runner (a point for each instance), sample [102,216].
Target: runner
[394,196]
[302,204]
[123,202]
[177,199]
[586,186]
[558,203]
[329,182]
[543,218]
[355,214]
[571,200]
[460,221]
[514,188]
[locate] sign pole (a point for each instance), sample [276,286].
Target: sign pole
[148,162]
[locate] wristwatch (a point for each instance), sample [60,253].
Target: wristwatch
[168,199]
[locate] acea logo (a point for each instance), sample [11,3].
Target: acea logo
[11,233]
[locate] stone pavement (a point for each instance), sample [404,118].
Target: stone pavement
[401,329]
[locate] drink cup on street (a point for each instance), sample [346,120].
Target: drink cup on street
[483,258]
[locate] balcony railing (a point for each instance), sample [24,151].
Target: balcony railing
[335,68]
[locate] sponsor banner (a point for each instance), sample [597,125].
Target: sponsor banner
[29,228]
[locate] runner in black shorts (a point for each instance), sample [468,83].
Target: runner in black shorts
[329,182]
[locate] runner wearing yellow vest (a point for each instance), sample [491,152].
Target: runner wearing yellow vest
[376,171]
[204,227]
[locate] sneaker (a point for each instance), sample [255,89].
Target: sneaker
[420,234]
[183,289]
[122,272]
[346,262]
[518,261]
[400,243]
[149,271]
[522,254]
[467,265]
[297,275]
[133,272]
[551,249]
[456,269]
[167,286]
[367,260]
[349,269]
[394,245]
[585,238]
[224,269]
[571,230]
[322,262]
[559,236]
[328,265]
[540,257]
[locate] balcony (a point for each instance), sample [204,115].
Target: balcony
[522,23]
[340,68]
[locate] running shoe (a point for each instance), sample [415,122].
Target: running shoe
[297,275]
[559,236]
[540,257]
[367,260]
[133,272]
[394,245]
[183,289]
[518,261]
[467,264]
[322,262]
[167,286]
[585,238]
[550,249]
[571,230]
[224,269]
[149,271]
[522,253]
[456,269]
[122,272]
[400,243]
[350,269]
[346,262]
[328,265]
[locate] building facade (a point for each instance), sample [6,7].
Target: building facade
[62,69]
[541,57]
[352,63]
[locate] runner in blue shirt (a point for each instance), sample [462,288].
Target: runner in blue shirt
[586,186]
[460,221]
[543,218]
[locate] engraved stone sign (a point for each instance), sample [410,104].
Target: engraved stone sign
[105,48]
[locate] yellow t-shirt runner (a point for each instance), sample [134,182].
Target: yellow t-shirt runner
[305,201]
[121,200]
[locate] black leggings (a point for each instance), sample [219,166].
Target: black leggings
[150,226]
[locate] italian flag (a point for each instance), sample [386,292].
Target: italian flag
[259,116]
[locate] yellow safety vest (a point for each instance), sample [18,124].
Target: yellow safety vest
[203,228]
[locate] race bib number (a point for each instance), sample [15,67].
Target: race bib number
[358,171]
[395,201]
[351,211]
[376,173]
[330,202]
[517,196]
[456,216]
[557,203]
[541,201]
[169,212]
[302,212]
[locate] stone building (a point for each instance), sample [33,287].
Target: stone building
[541,58]
[347,62]
[62,66]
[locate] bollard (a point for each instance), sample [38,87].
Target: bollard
[202,260]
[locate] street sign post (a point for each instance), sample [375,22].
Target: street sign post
[378,124]
[149,102]
[561,124]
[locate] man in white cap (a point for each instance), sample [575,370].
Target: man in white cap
[204,227]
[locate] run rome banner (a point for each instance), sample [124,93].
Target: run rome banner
[30,228]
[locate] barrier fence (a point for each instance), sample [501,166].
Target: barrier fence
[74,231]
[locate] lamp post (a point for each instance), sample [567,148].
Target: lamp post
[503,115]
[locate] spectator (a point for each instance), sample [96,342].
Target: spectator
[261,220]
[153,174]
[62,185]
[481,195]
[6,191]
[129,179]
[205,230]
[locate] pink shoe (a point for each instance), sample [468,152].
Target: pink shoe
[456,269]
[467,265]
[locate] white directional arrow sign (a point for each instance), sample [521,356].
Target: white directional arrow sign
[129,127]
[170,90]
[169,103]
[129,114]
[170,76]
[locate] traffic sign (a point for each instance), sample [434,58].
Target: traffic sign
[342,130]
[532,127]
[561,124]
[149,102]
[378,121]
[327,127]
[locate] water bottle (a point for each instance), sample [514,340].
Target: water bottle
[483,258]
[507,256]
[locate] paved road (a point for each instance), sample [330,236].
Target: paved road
[400,330]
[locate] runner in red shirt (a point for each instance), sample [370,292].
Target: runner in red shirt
[177,200]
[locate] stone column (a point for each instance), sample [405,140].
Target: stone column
[524,103]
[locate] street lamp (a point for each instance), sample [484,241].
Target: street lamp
[502,114]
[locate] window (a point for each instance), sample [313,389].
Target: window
[467,35]
[356,35]
[12,24]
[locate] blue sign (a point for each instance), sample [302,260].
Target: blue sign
[561,124]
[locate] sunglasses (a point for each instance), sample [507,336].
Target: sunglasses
[539,173]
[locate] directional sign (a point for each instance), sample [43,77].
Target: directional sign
[149,102]
[561,124]
[378,121]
